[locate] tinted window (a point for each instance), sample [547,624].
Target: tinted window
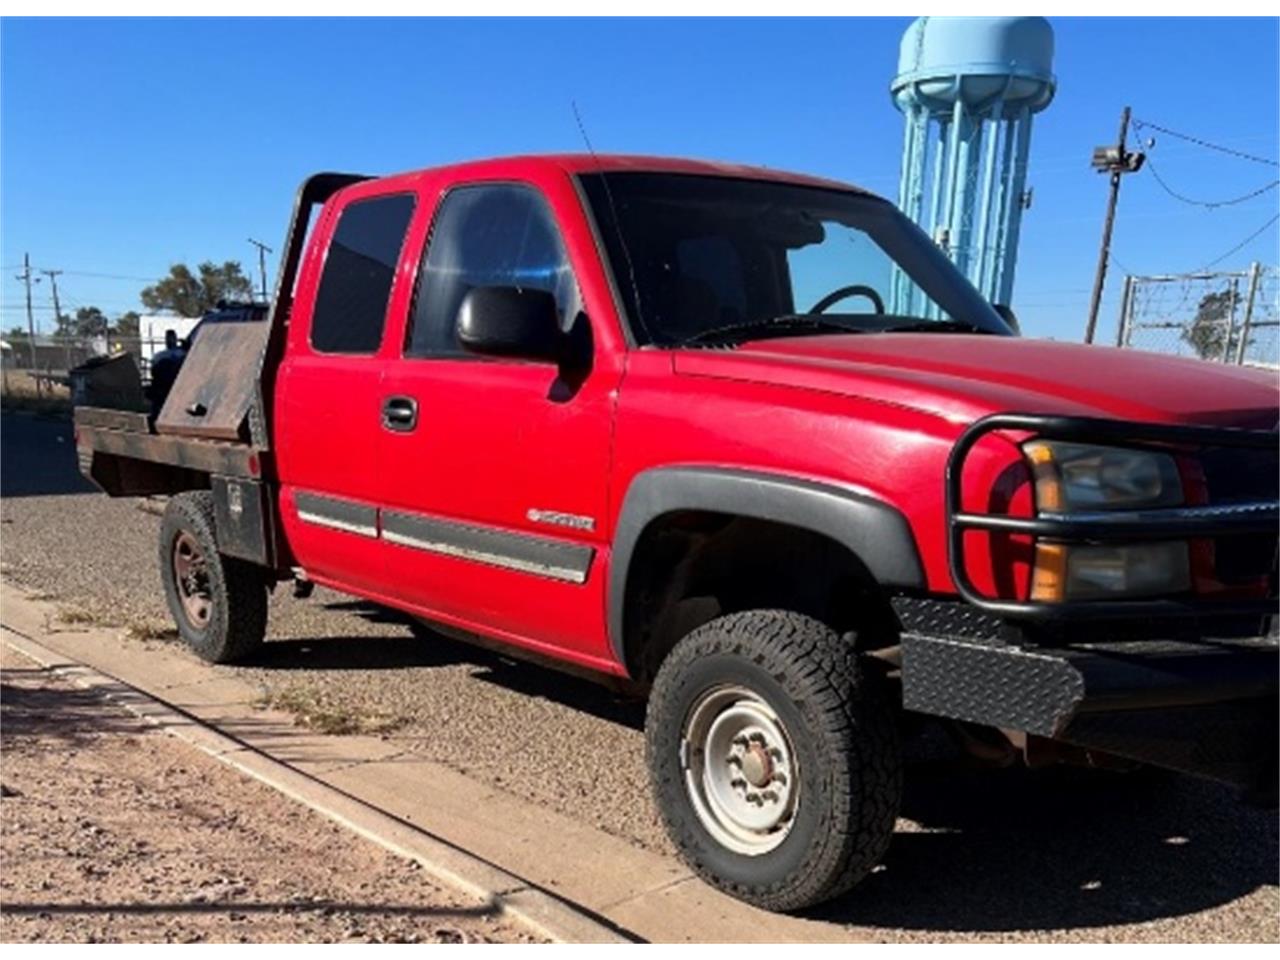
[351,304]
[714,261]
[487,236]
[696,254]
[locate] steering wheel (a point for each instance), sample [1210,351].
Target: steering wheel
[854,290]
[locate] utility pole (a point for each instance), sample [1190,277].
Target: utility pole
[263,250]
[25,277]
[1117,161]
[57,313]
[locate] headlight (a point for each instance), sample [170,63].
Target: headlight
[1098,572]
[1076,478]
[1071,477]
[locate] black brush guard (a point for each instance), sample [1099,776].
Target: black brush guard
[1176,523]
[1190,700]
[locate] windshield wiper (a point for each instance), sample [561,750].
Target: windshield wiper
[937,326]
[733,331]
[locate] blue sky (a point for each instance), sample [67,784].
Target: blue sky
[126,145]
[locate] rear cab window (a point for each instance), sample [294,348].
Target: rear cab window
[355,285]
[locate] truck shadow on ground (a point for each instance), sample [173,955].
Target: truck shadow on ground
[987,850]
[1012,850]
[410,643]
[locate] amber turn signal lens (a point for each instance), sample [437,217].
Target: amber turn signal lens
[1045,474]
[1049,578]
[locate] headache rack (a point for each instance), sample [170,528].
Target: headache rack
[1098,527]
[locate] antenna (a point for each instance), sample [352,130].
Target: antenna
[613,212]
[582,129]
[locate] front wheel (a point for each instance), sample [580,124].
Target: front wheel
[218,603]
[774,759]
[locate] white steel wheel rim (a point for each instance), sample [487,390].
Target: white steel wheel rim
[740,770]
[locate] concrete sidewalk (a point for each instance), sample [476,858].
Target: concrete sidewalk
[641,894]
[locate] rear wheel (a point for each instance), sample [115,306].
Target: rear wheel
[218,603]
[774,760]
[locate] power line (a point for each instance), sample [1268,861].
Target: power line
[1119,264]
[1139,124]
[108,276]
[1208,204]
[48,307]
[1243,243]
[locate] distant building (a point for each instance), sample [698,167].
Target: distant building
[151,331]
[52,354]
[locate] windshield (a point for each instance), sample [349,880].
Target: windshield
[706,259]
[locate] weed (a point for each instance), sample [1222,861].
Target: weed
[150,630]
[311,711]
[76,616]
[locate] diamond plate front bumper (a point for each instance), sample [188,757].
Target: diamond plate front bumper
[1206,707]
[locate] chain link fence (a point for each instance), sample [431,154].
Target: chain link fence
[1223,317]
[39,368]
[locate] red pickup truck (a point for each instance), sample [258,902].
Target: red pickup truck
[747,443]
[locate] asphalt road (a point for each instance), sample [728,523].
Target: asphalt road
[991,855]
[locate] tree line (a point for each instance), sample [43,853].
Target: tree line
[182,291]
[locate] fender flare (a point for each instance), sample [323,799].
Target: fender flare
[876,532]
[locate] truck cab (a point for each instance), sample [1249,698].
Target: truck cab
[744,443]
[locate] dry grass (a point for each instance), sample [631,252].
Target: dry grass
[309,710]
[151,630]
[76,616]
[20,393]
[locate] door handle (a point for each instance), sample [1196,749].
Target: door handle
[400,414]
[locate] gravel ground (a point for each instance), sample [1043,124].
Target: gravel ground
[113,831]
[1006,855]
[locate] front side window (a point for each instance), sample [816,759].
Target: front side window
[351,303]
[500,235]
[699,259]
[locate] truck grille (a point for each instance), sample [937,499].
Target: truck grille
[1235,475]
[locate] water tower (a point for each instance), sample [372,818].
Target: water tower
[968,87]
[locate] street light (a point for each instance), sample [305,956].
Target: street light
[1117,161]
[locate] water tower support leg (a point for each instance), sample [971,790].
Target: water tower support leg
[911,195]
[978,271]
[1013,213]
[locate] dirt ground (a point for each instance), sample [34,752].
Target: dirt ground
[110,830]
[1015,855]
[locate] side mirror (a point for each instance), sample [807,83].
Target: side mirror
[1008,316]
[511,322]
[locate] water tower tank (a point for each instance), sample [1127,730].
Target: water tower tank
[968,88]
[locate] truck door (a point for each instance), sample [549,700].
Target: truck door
[495,492]
[329,391]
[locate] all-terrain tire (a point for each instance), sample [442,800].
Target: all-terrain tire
[236,591]
[843,734]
